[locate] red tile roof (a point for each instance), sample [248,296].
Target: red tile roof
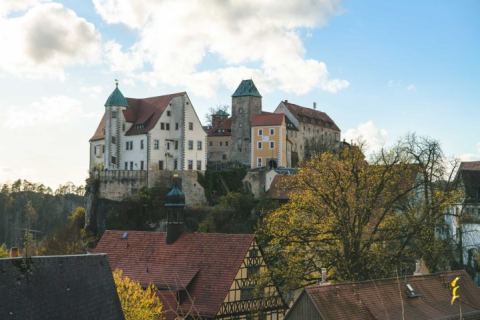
[221,128]
[301,113]
[205,263]
[267,119]
[470,166]
[142,113]
[380,299]
[279,188]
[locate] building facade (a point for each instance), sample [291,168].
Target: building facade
[219,138]
[269,141]
[315,130]
[149,134]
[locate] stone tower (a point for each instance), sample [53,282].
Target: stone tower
[114,106]
[246,102]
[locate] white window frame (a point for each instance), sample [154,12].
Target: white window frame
[270,144]
[259,145]
[272,131]
[259,162]
[260,132]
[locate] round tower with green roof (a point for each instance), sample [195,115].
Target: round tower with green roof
[246,102]
[114,107]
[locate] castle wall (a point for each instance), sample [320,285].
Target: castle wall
[119,184]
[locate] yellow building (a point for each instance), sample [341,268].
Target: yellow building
[269,146]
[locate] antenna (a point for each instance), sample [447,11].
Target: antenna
[116,83]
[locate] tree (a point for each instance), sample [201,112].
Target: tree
[3,251]
[69,239]
[222,109]
[137,303]
[358,220]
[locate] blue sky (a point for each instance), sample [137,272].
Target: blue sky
[380,69]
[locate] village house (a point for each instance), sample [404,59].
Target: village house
[197,275]
[148,134]
[79,287]
[463,218]
[219,138]
[413,297]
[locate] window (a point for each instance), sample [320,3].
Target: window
[190,144]
[190,126]
[123,126]
[210,143]
[226,143]
[103,148]
[169,113]
[160,165]
[162,126]
[175,164]
[176,125]
[224,157]
[199,165]
[190,164]
[168,145]
[141,165]
[156,144]
[260,132]
[221,143]
[272,144]
[259,145]
[126,165]
[129,145]
[176,145]
[199,145]
[114,114]
[131,165]
[114,139]
[167,126]
[272,131]
[141,144]
[114,160]
[259,162]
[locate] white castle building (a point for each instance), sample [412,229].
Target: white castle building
[149,134]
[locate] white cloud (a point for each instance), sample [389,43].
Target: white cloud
[475,156]
[92,91]
[45,39]
[411,87]
[46,111]
[368,133]
[254,39]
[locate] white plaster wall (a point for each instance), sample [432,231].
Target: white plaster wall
[164,136]
[97,159]
[197,134]
[136,154]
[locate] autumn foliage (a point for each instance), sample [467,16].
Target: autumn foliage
[137,303]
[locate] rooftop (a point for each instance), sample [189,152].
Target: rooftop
[77,287]
[204,263]
[246,88]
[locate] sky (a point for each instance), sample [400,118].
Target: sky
[380,69]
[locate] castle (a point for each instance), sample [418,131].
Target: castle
[140,142]
[256,138]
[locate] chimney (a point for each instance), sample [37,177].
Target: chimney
[314,105]
[174,203]
[286,101]
[14,252]
[324,275]
[420,268]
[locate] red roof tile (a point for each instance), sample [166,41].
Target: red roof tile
[205,263]
[320,117]
[470,166]
[380,299]
[142,113]
[221,128]
[279,188]
[267,119]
